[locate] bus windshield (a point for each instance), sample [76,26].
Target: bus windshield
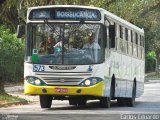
[70,44]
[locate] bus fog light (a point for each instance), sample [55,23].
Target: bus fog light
[87,82]
[37,82]
[94,81]
[44,90]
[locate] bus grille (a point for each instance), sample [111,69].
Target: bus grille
[52,78]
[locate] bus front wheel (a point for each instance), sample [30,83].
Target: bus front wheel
[46,101]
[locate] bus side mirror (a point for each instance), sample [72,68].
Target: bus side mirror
[112,36]
[20,31]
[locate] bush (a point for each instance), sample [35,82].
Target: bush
[11,56]
[150,62]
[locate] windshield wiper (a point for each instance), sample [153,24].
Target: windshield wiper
[46,22]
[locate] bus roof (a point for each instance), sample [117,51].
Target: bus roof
[78,6]
[121,21]
[110,15]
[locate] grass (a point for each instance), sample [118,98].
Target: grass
[7,100]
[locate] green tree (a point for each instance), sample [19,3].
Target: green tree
[12,54]
[151,62]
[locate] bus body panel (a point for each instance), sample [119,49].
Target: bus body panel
[81,71]
[125,69]
[95,90]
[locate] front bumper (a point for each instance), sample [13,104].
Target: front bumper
[94,90]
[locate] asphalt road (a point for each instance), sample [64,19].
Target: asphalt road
[147,107]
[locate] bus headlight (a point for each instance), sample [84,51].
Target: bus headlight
[94,80]
[87,82]
[34,81]
[37,82]
[90,81]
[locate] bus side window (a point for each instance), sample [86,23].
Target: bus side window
[134,45]
[143,55]
[126,42]
[139,46]
[112,36]
[121,32]
[132,42]
[137,41]
[129,43]
[118,37]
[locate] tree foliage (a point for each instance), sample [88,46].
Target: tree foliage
[151,61]
[11,61]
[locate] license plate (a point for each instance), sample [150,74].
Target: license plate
[61,90]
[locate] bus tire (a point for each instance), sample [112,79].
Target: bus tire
[105,102]
[130,102]
[45,101]
[112,89]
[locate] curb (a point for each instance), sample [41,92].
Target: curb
[14,103]
[14,89]
[152,81]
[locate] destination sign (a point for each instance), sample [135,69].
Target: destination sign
[65,14]
[41,14]
[77,14]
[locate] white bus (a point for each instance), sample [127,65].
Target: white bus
[93,54]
